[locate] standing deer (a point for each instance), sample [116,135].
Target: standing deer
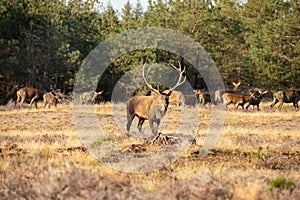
[288,96]
[192,99]
[236,99]
[219,92]
[255,100]
[204,97]
[28,93]
[50,99]
[98,98]
[153,107]
[176,97]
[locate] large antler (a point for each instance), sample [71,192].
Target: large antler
[146,77]
[181,79]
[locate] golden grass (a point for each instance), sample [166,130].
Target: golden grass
[254,148]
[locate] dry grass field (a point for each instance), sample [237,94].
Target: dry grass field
[257,157]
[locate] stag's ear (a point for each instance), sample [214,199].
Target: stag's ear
[236,84]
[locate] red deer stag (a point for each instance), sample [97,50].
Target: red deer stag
[50,99]
[255,100]
[236,99]
[28,93]
[153,107]
[289,96]
[219,93]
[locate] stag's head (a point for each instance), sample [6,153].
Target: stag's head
[161,100]
[151,107]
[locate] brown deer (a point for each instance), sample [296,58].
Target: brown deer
[153,107]
[50,99]
[98,98]
[176,97]
[236,99]
[89,97]
[28,93]
[255,100]
[192,99]
[204,97]
[288,96]
[219,92]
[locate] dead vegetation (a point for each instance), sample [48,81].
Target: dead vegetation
[42,157]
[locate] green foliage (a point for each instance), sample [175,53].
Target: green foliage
[261,155]
[281,183]
[99,142]
[43,43]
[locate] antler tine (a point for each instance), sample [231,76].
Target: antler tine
[145,78]
[180,81]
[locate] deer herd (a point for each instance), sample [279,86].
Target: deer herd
[154,107]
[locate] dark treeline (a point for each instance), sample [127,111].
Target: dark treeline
[43,43]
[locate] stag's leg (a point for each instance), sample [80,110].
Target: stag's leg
[275,101]
[280,105]
[157,125]
[154,128]
[242,105]
[296,105]
[151,122]
[18,100]
[248,106]
[21,103]
[140,124]
[33,100]
[129,121]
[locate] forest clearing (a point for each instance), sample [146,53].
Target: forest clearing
[55,47]
[257,157]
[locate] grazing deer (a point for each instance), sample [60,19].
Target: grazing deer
[288,96]
[28,93]
[89,97]
[255,100]
[219,92]
[50,99]
[236,99]
[153,107]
